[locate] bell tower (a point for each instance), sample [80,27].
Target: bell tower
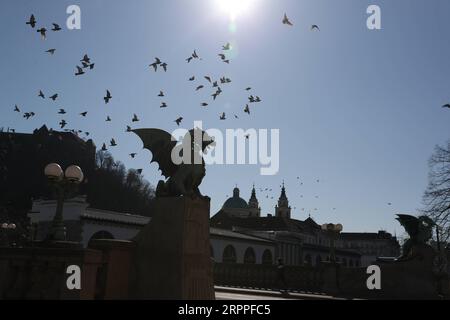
[253,204]
[283,210]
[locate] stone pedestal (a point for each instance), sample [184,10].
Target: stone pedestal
[171,260]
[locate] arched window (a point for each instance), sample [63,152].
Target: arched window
[308,260]
[249,256]
[318,259]
[344,262]
[229,254]
[101,235]
[267,258]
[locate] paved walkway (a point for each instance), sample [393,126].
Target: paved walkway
[231,293]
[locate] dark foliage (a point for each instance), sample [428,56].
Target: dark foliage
[112,187]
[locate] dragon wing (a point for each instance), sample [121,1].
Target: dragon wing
[160,143]
[410,223]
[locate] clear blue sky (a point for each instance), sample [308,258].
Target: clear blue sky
[358,109]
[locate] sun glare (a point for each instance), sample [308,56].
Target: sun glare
[234,8]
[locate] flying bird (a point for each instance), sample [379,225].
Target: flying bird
[41,94]
[83,114]
[86,59]
[192,78]
[104,147]
[189,59]
[208,78]
[56,27]
[222,116]
[199,87]
[164,66]
[107,97]
[32,21]
[113,143]
[62,111]
[108,119]
[163,105]
[135,118]
[315,27]
[63,123]
[178,121]
[286,20]
[161,94]
[204,104]
[51,51]
[133,155]
[446,105]
[54,97]
[226,47]
[247,109]
[42,31]
[16,108]
[128,129]
[248,89]
[79,71]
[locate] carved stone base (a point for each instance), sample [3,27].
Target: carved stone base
[172,258]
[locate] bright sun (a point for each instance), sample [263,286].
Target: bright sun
[234,7]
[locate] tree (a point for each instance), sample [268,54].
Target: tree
[112,187]
[437,194]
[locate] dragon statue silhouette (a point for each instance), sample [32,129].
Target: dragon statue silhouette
[185,178]
[420,231]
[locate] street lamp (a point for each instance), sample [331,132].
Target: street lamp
[333,230]
[64,183]
[6,228]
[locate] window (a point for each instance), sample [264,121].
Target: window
[318,260]
[308,260]
[249,256]
[211,251]
[344,262]
[351,263]
[229,254]
[267,258]
[101,235]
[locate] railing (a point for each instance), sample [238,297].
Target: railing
[301,278]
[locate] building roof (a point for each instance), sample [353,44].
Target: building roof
[235,202]
[236,235]
[111,216]
[361,236]
[269,223]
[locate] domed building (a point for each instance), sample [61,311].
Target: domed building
[238,207]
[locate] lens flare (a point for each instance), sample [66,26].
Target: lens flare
[234,8]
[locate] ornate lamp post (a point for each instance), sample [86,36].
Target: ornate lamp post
[64,183]
[6,229]
[333,230]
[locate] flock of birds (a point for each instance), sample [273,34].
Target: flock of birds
[86,65]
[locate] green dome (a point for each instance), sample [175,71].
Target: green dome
[235,202]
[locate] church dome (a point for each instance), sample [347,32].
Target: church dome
[235,202]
